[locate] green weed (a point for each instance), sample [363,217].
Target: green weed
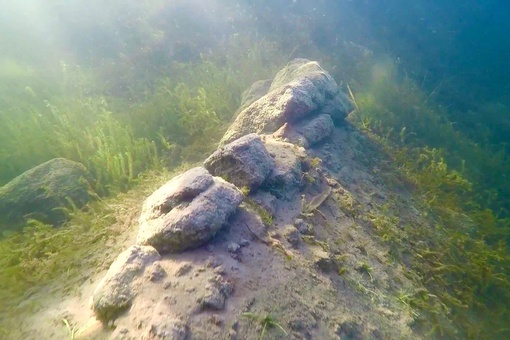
[268,321]
[461,258]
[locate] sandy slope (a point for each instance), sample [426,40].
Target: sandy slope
[339,283]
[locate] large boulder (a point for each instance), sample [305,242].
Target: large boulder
[116,291]
[244,162]
[191,220]
[299,90]
[333,101]
[39,193]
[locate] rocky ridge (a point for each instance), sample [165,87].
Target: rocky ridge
[269,231]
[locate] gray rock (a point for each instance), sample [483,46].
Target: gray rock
[317,129]
[289,134]
[182,188]
[183,270]
[115,293]
[244,242]
[39,193]
[338,107]
[244,162]
[334,102]
[285,179]
[233,247]
[299,90]
[190,224]
[214,300]
[164,327]
[219,290]
[350,330]
[303,68]
[303,227]
[292,235]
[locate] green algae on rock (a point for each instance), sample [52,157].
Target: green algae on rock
[43,193]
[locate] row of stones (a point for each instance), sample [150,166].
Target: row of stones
[189,210]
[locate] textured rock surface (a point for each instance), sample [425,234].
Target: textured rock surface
[300,89]
[285,179]
[218,292]
[116,291]
[317,129]
[39,192]
[182,188]
[265,200]
[163,327]
[289,134]
[336,103]
[189,224]
[244,162]
[269,113]
[256,91]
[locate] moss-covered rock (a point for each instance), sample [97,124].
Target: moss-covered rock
[41,192]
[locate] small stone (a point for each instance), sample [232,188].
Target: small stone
[350,330]
[244,242]
[332,182]
[214,300]
[233,247]
[292,235]
[323,261]
[156,272]
[213,262]
[275,235]
[219,290]
[184,269]
[303,227]
[244,162]
[162,327]
[116,291]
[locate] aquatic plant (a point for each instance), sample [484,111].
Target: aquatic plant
[462,259]
[63,257]
[267,321]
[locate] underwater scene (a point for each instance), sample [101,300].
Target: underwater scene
[239,169]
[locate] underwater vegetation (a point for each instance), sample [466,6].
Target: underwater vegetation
[463,259]
[128,141]
[126,119]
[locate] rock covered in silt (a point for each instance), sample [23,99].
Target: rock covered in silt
[317,129]
[116,291]
[188,222]
[285,179]
[244,162]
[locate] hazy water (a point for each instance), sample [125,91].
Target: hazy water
[77,51]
